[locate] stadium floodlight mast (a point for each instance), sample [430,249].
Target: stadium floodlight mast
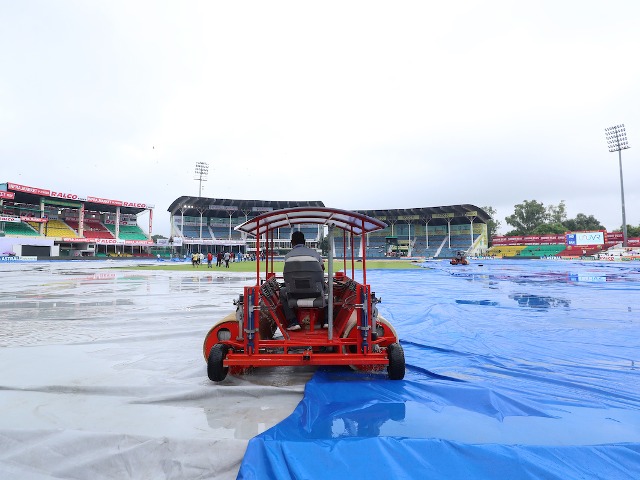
[617,141]
[202,170]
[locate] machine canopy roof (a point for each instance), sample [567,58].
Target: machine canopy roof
[357,223]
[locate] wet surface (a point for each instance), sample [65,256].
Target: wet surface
[93,358]
[521,369]
[510,366]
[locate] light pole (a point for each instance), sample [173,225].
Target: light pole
[617,141]
[202,170]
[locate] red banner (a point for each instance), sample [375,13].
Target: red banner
[70,196]
[33,190]
[118,203]
[610,237]
[34,219]
[614,237]
[138,242]
[105,201]
[529,240]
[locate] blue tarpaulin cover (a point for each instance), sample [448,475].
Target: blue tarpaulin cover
[515,370]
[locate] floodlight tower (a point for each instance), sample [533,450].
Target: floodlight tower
[202,170]
[617,141]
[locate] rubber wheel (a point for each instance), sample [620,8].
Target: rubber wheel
[396,367]
[215,370]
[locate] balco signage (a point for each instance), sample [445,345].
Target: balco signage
[68,196]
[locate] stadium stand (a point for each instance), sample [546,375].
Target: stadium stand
[73,224]
[435,242]
[20,229]
[220,217]
[56,215]
[579,251]
[416,245]
[218,232]
[223,233]
[95,229]
[506,250]
[57,228]
[128,232]
[541,250]
[91,228]
[194,232]
[549,245]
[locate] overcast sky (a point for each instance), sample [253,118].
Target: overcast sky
[362,105]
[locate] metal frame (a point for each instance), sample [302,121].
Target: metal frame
[362,345]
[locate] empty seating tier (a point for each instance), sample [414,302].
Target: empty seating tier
[22,229]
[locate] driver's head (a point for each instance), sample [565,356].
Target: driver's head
[297,238]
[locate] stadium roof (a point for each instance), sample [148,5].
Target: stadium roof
[32,196]
[436,215]
[220,207]
[213,207]
[356,222]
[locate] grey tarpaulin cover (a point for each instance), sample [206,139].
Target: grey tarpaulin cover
[516,369]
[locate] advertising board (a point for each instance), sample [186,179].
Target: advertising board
[585,238]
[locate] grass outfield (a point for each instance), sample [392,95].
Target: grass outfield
[251,266]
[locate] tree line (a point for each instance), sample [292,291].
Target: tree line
[532,218]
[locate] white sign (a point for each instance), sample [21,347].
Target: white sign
[585,238]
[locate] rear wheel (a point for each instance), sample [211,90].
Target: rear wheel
[215,368]
[396,367]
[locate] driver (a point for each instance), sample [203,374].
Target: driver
[298,250]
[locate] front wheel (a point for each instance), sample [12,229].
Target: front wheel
[215,368]
[396,367]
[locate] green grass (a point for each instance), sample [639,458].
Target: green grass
[251,266]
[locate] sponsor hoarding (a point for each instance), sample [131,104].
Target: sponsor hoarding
[107,241]
[226,208]
[24,189]
[67,196]
[72,196]
[138,242]
[25,218]
[585,238]
[15,258]
[615,237]
[529,240]
[196,241]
